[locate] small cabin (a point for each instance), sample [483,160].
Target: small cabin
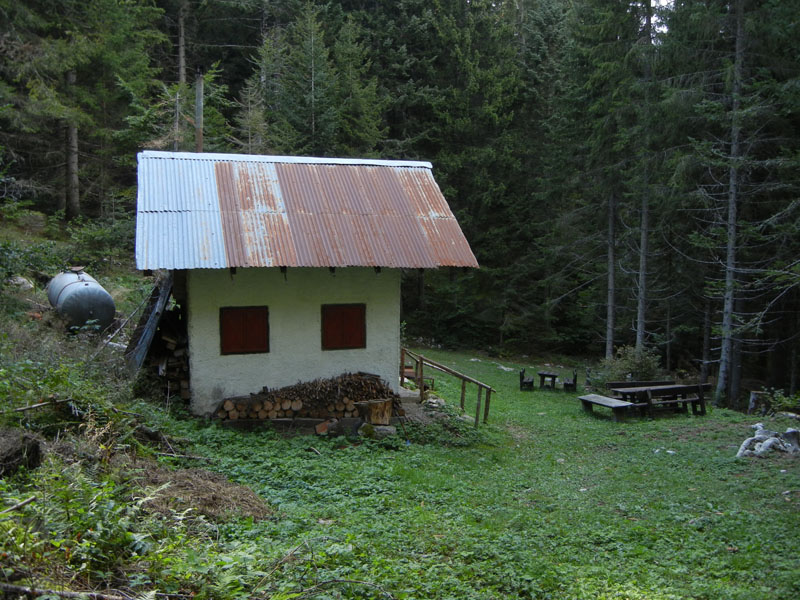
[287,269]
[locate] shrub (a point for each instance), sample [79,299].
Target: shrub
[629,363]
[18,259]
[11,211]
[780,401]
[95,242]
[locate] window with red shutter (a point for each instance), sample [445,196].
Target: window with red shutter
[244,329]
[344,326]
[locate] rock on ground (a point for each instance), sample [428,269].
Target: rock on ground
[376,432]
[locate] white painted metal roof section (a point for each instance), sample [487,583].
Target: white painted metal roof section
[307,160]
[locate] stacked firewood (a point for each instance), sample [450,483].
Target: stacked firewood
[169,355]
[319,399]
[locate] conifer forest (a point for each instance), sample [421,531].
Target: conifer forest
[626,172]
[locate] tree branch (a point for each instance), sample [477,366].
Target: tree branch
[18,505]
[36,592]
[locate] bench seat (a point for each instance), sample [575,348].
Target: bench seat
[693,394]
[617,406]
[697,403]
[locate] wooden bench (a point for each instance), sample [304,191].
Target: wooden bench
[678,396]
[571,385]
[617,406]
[525,382]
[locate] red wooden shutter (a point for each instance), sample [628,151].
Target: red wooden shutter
[244,329]
[344,326]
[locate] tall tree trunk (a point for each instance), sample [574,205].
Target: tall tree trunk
[611,305]
[182,43]
[793,352]
[176,125]
[729,296]
[641,299]
[198,112]
[668,336]
[735,374]
[72,204]
[706,341]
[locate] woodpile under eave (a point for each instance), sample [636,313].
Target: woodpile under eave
[337,397]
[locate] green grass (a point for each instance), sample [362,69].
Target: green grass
[545,501]
[548,503]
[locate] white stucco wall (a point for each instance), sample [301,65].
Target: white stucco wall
[295,352]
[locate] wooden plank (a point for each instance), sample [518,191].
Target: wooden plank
[142,337]
[605,401]
[631,384]
[659,401]
[445,369]
[618,407]
[663,390]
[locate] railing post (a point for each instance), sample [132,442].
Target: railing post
[420,384]
[419,377]
[478,408]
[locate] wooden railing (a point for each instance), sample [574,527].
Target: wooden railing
[420,364]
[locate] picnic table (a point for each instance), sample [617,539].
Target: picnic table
[547,375]
[651,395]
[676,394]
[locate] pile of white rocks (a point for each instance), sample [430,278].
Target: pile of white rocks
[764,441]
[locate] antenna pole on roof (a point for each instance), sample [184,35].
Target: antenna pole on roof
[198,110]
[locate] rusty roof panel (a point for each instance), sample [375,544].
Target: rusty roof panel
[218,210]
[424,194]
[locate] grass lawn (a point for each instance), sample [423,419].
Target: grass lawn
[544,502]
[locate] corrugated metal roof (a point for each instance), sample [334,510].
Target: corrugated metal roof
[197,211]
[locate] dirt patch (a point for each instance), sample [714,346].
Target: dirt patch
[209,494]
[518,434]
[704,431]
[416,411]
